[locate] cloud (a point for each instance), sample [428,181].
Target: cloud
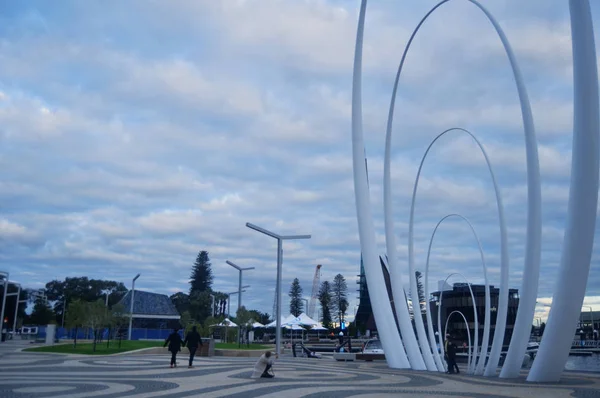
[128,146]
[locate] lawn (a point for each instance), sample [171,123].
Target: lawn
[126,345]
[234,346]
[87,348]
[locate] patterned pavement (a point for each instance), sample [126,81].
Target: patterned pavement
[44,375]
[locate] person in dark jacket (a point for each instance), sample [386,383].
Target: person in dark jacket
[174,341]
[451,353]
[192,341]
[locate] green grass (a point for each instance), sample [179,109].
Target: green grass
[88,348]
[126,345]
[234,346]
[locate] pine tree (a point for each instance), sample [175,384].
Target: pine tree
[339,293]
[202,277]
[42,313]
[325,301]
[296,305]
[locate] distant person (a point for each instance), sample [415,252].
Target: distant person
[595,335]
[192,341]
[263,366]
[451,358]
[174,341]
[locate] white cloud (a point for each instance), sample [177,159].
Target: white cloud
[125,152]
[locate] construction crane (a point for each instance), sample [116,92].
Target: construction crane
[312,306]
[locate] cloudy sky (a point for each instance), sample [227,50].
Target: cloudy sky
[134,134]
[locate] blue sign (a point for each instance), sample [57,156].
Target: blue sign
[343,325]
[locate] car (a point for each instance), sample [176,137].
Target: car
[373,347]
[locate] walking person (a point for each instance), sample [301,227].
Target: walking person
[452,366]
[263,365]
[192,341]
[174,341]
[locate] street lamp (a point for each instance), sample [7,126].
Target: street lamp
[280,240]
[591,316]
[212,305]
[240,269]
[131,306]
[231,294]
[18,295]
[306,301]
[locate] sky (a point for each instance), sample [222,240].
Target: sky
[135,134]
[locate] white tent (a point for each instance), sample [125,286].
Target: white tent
[226,323]
[292,320]
[293,327]
[318,326]
[306,320]
[257,325]
[288,320]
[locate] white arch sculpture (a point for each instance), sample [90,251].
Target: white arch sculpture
[439,314]
[583,202]
[534,226]
[579,234]
[486,323]
[468,337]
[501,222]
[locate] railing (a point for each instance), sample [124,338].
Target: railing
[585,343]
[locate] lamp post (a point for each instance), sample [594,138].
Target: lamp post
[280,239]
[64,311]
[212,305]
[16,308]
[306,301]
[240,269]
[229,298]
[591,316]
[131,306]
[5,275]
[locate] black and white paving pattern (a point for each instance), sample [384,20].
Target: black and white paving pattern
[25,374]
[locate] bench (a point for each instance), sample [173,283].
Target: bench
[344,356]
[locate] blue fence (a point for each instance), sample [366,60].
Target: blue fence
[86,333]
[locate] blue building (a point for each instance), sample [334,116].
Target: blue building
[151,310]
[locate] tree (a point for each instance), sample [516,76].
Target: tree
[542,328]
[339,293]
[219,309]
[96,318]
[260,317]
[420,292]
[76,317]
[200,306]
[325,300]
[181,302]
[296,305]
[118,319]
[202,278]
[42,314]
[84,289]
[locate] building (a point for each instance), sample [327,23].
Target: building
[459,299]
[589,318]
[151,310]
[364,318]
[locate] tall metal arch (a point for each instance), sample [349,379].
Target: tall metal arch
[470,360]
[474,310]
[486,326]
[530,282]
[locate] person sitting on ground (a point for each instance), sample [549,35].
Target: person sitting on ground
[174,341]
[192,341]
[263,365]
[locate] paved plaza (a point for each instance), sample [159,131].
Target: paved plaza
[44,375]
